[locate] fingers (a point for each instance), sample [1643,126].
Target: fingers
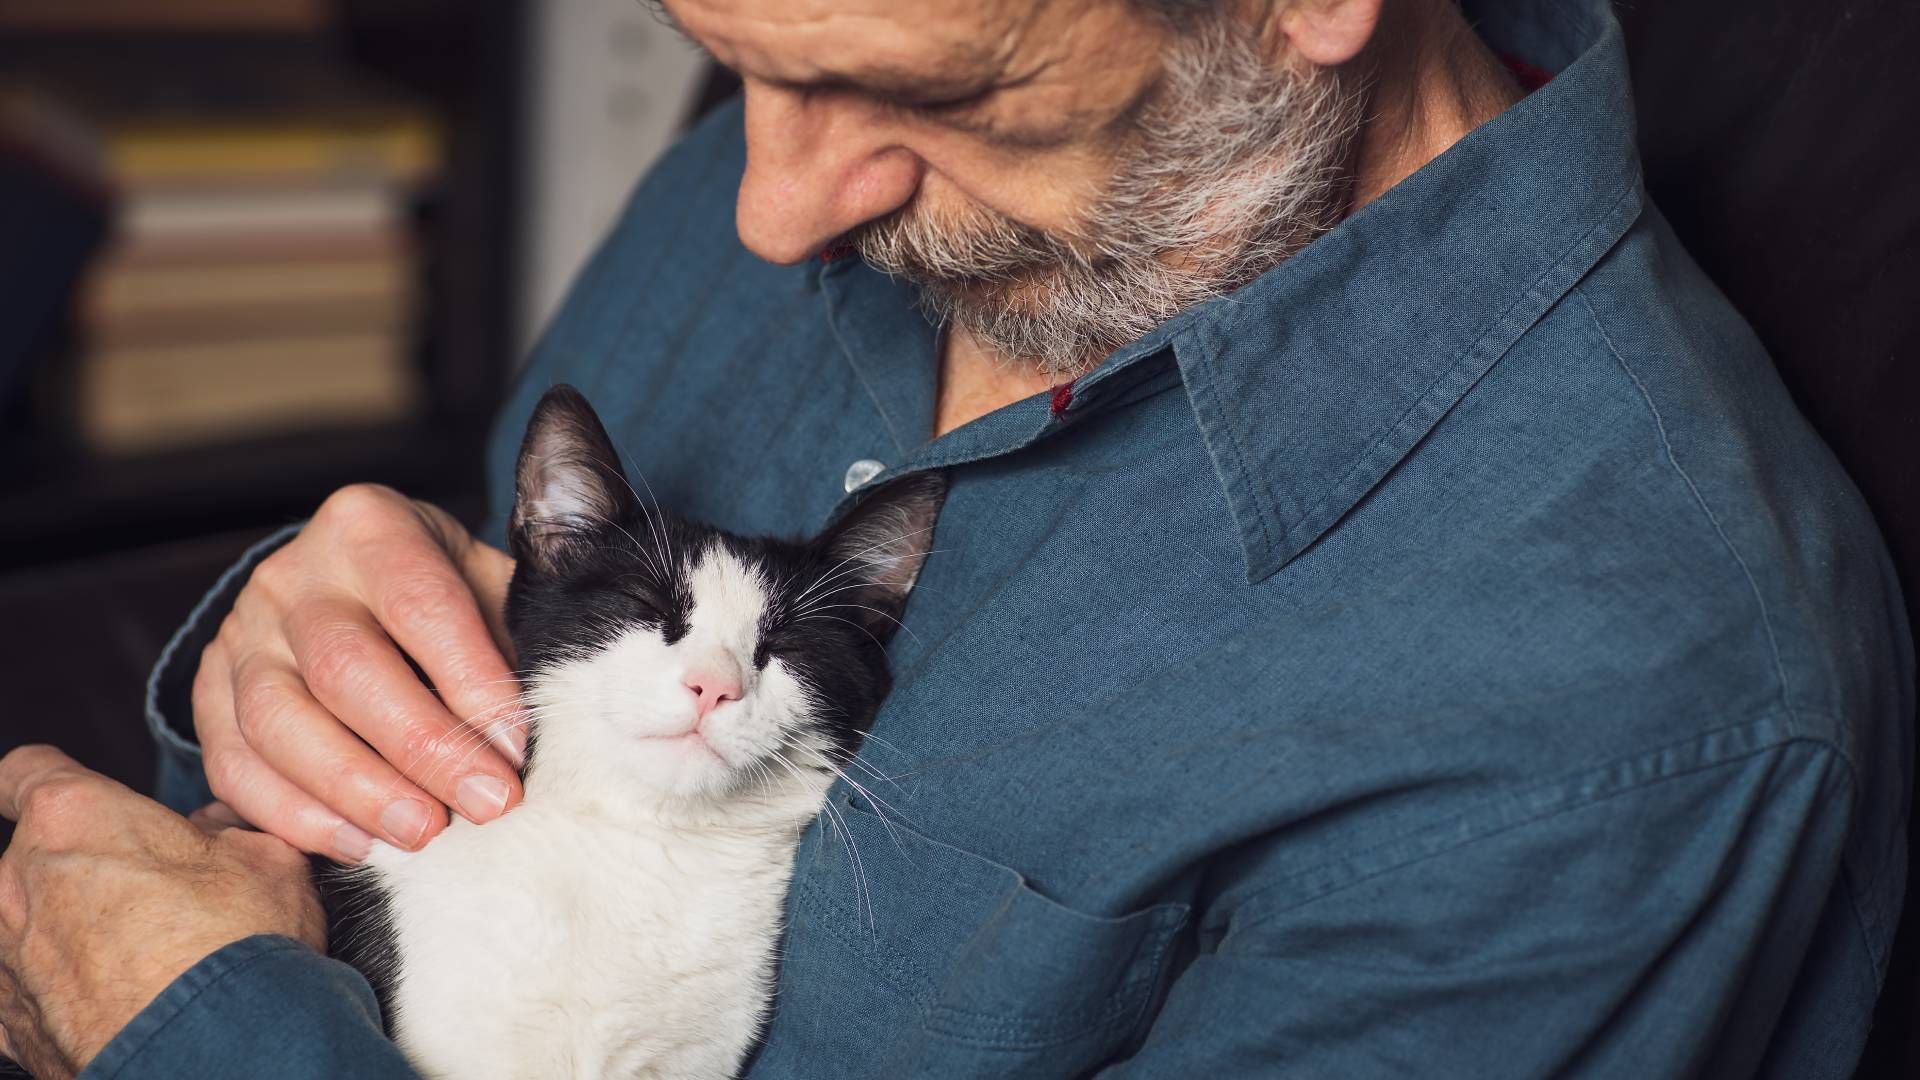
[315,726]
[302,741]
[249,787]
[216,817]
[273,803]
[26,768]
[355,673]
[415,585]
[488,571]
[61,805]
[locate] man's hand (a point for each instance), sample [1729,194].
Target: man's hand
[312,725]
[106,897]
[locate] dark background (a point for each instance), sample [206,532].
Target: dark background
[1779,138]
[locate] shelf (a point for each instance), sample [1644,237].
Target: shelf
[70,508]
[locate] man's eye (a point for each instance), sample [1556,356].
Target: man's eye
[940,107]
[953,105]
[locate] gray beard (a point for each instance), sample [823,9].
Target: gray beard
[1232,168]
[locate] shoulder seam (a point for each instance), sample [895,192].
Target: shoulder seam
[1666,447]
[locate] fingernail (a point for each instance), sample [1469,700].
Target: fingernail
[511,736]
[481,798]
[406,822]
[350,845]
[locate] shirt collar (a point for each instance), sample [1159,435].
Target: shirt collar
[1314,381]
[1311,383]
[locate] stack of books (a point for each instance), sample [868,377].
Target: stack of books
[263,269]
[263,278]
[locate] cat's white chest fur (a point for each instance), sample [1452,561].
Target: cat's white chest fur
[569,940]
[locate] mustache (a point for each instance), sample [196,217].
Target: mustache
[976,247]
[1233,167]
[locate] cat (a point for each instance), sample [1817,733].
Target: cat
[691,695]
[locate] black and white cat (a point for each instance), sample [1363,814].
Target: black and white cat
[691,694]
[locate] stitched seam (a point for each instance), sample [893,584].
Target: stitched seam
[1666,446]
[1017,1030]
[1860,921]
[1225,425]
[987,1029]
[1066,1025]
[840,338]
[1523,821]
[905,972]
[1532,294]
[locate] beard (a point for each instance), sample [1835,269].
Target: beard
[1231,167]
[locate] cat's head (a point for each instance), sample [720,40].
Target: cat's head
[682,658]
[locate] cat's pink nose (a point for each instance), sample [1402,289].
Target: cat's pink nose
[711,684]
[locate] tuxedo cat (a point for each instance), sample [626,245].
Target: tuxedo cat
[692,694]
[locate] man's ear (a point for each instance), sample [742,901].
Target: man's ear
[569,486]
[874,554]
[1328,33]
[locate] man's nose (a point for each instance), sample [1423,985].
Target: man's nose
[816,167]
[712,681]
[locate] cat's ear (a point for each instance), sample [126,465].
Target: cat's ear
[569,487]
[874,554]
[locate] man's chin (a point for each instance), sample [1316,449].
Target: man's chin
[1023,294]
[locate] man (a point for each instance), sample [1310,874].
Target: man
[1388,617]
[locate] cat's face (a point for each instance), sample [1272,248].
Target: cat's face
[687,660]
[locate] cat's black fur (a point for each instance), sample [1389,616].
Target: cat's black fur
[582,579]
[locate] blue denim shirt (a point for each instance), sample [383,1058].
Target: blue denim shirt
[1450,655]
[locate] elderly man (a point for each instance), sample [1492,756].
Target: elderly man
[1388,618]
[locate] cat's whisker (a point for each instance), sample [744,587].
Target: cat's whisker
[841,756]
[879,805]
[877,775]
[874,737]
[512,677]
[861,583]
[815,613]
[650,506]
[863,898]
[466,742]
[859,557]
[851,623]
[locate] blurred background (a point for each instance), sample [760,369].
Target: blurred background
[254,250]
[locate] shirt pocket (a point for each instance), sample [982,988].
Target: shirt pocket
[927,960]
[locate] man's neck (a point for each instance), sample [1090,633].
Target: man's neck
[1431,82]
[975,381]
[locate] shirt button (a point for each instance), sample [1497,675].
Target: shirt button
[862,471]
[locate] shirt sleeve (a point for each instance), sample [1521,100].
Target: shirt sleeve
[1652,931]
[181,784]
[262,1006]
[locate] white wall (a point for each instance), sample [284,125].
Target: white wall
[607,86]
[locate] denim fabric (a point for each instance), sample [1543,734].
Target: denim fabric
[264,1006]
[1450,655]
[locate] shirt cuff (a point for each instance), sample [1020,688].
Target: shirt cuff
[262,1006]
[170,686]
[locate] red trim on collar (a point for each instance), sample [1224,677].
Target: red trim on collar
[1062,398]
[835,251]
[1530,76]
